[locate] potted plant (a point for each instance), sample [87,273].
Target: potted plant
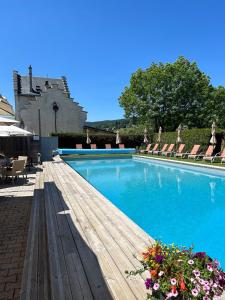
[179,273]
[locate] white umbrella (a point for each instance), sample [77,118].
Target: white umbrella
[7,121]
[159,135]
[178,134]
[213,132]
[88,140]
[13,131]
[118,140]
[145,136]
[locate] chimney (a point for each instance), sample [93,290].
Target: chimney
[30,78]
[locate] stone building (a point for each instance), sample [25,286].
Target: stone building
[5,108]
[44,106]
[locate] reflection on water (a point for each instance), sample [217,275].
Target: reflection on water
[212,185]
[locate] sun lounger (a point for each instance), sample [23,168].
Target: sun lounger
[169,151]
[194,152]
[147,150]
[210,157]
[207,154]
[121,146]
[222,156]
[93,146]
[157,152]
[154,149]
[108,146]
[79,146]
[180,150]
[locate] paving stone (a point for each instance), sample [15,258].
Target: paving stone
[14,222]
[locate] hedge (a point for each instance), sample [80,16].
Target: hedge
[191,137]
[188,136]
[69,140]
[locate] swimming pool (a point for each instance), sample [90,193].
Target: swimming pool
[177,204]
[65,151]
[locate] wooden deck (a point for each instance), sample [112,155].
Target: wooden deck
[79,243]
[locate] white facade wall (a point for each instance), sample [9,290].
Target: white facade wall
[70,117]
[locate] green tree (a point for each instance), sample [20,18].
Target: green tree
[215,107]
[167,94]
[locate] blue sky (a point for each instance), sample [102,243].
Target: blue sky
[97,44]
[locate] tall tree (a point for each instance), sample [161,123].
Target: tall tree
[167,94]
[215,107]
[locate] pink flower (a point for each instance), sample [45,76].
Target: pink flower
[201,281]
[210,268]
[174,293]
[205,298]
[191,262]
[156,286]
[206,288]
[161,273]
[173,281]
[206,282]
[194,292]
[196,273]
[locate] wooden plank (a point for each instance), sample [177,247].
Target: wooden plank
[113,246]
[60,288]
[76,275]
[31,271]
[116,281]
[119,257]
[133,232]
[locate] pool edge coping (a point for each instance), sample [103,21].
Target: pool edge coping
[180,162]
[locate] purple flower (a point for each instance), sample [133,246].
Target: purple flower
[194,292]
[159,259]
[206,298]
[148,283]
[216,262]
[200,255]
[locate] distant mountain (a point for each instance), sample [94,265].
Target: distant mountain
[110,124]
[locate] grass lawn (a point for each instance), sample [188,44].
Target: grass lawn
[218,164]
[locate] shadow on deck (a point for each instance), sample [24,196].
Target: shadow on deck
[59,263]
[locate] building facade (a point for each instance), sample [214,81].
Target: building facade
[44,106]
[5,108]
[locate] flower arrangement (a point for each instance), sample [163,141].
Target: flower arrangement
[180,273]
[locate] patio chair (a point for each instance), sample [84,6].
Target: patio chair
[93,146]
[146,150]
[26,159]
[121,146]
[169,151]
[17,169]
[209,154]
[79,146]
[108,146]
[180,150]
[194,152]
[154,149]
[157,152]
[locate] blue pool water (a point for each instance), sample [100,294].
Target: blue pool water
[176,204]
